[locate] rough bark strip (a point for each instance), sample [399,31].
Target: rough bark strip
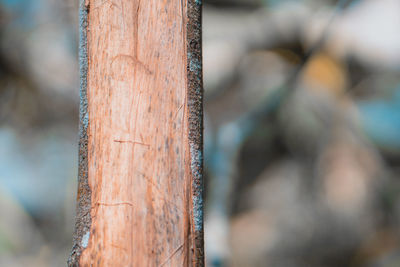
[83,217]
[136,215]
[195,105]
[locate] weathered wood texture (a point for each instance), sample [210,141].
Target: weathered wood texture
[140,166]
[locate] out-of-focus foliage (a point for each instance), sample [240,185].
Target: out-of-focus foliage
[38,131]
[302,131]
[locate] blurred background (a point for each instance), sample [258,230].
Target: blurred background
[302,132]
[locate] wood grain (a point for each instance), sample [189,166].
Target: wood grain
[140,181]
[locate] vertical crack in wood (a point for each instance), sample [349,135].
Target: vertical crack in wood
[83,216]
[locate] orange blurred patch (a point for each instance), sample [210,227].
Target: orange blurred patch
[325,73]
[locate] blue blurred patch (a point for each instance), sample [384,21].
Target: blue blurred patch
[36,170]
[381,121]
[24,13]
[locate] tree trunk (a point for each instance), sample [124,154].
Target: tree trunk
[140,159]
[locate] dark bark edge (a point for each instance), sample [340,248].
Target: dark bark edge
[83,217]
[195,107]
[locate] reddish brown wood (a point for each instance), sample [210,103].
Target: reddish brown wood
[139,197]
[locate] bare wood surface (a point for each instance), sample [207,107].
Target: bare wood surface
[140,179]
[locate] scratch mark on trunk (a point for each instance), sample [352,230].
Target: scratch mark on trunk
[170,256]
